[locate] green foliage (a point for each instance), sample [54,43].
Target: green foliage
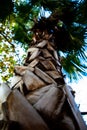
[67,16]
[7,61]
[82,13]
[6,8]
[73,65]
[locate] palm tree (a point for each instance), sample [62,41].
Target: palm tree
[43,82]
[40,79]
[71,34]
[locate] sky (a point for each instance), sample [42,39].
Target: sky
[81,94]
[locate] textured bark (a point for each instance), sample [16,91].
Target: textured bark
[21,111]
[42,83]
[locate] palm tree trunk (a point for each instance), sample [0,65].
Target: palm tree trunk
[41,81]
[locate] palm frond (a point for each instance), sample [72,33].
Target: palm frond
[74,66]
[81,12]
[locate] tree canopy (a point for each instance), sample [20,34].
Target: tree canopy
[65,19]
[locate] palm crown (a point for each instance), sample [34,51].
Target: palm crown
[67,24]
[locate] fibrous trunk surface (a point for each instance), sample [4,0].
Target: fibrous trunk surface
[44,97]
